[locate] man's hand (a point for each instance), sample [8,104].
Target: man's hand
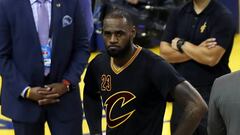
[58,88]
[55,90]
[43,96]
[174,43]
[209,43]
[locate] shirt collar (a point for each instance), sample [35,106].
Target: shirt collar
[33,1]
[207,10]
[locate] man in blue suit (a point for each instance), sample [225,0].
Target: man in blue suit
[43,52]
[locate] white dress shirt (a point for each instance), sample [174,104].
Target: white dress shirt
[35,4]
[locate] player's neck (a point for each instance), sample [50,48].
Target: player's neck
[120,61]
[200,5]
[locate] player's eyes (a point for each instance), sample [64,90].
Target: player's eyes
[107,34]
[116,34]
[119,33]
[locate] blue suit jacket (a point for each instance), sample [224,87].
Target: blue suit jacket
[21,62]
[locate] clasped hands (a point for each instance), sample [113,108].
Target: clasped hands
[208,43]
[48,94]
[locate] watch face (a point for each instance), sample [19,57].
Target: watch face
[180,42]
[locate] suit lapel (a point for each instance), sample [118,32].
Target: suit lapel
[55,27]
[56,17]
[31,22]
[26,18]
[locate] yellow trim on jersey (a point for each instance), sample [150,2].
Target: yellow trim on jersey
[166,129]
[117,69]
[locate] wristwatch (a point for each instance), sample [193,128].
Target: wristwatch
[180,43]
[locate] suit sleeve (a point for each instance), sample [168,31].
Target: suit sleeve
[216,124]
[83,28]
[92,102]
[8,71]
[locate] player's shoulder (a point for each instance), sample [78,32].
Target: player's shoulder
[100,59]
[151,56]
[153,60]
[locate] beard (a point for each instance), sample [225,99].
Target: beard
[117,52]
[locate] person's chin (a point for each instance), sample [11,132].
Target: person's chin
[113,53]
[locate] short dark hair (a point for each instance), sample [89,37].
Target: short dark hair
[119,13]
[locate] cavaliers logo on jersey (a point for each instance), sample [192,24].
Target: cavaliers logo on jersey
[203,27]
[122,97]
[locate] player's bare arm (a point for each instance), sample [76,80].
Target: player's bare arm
[194,108]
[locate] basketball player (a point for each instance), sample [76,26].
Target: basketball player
[134,84]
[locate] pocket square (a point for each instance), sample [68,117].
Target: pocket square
[67,20]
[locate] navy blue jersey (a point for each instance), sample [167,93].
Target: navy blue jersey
[134,96]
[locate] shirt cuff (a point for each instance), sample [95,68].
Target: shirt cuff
[23,94]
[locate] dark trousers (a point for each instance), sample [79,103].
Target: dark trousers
[57,127]
[177,112]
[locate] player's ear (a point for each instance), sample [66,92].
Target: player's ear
[133,32]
